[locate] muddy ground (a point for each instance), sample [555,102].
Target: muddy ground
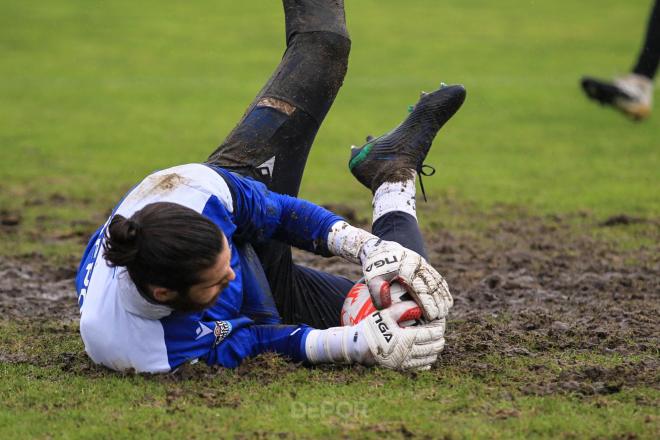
[524,288]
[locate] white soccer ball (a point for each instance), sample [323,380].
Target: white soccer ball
[358,305]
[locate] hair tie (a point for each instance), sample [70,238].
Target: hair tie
[133,229]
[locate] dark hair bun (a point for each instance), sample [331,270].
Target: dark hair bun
[121,241]
[163,244]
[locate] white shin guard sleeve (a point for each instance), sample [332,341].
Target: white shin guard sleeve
[395,196]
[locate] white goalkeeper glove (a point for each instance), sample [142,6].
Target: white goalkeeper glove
[378,339]
[386,261]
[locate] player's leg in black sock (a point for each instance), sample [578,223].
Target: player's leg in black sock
[632,94]
[402,228]
[649,56]
[273,139]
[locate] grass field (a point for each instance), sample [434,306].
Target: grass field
[94,95]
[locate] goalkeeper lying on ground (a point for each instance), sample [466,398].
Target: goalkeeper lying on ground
[195,262]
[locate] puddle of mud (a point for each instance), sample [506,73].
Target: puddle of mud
[30,287]
[529,287]
[522,288]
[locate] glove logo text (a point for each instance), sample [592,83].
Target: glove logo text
[382,327]
[380,263]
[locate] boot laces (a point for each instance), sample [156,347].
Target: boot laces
[424,170]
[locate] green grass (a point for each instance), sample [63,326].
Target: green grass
[138,407]
[56,397]
[94,95]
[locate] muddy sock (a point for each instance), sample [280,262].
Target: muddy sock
[314,16]
[395,196]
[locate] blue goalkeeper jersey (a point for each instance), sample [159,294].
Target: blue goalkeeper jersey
[122,330]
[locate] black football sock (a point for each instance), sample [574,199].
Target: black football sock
[647,64]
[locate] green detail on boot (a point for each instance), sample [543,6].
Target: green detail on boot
[361,156]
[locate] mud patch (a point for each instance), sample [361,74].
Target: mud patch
[168,182]
[277,104]
[31,287]
[9,218]
[588,380]
[622,219]
[533,289]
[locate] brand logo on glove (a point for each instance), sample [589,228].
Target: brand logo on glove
[382,327]
[381,263]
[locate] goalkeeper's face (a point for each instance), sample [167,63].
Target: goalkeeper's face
[203,294]
[213,280]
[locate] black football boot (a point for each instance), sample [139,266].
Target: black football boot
[391,156]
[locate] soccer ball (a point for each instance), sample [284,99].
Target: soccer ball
[358,305]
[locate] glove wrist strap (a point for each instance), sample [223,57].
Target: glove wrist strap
[336,345]
[368,247]
[346,241]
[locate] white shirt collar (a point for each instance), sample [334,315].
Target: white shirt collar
[134,303]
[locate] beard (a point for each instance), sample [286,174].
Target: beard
[184,304]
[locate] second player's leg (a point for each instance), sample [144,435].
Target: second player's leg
[649,56]
[632,94]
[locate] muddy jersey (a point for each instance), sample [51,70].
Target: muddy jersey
[122,330]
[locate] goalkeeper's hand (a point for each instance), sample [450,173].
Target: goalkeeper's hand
[398,348]
[386,261]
